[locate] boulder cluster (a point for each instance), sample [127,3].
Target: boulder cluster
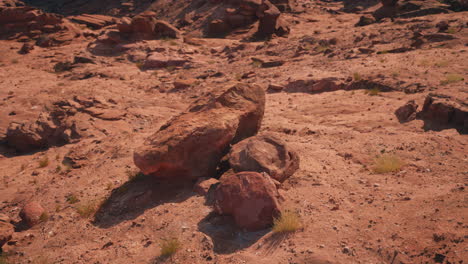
[220,127]
[25,23]
[438,112]
[265,12]
[146,26]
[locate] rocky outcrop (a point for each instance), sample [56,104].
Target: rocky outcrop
[250,197]
[249,11]
[407,112]
[191,145]
[264,153]
[93,21]
[64,124]
[32,214]
[6,230]
[146,26]
[25,22]
[442,112]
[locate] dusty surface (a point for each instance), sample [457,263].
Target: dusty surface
[350,214]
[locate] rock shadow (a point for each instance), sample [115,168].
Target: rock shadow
[134,197]
[226,236]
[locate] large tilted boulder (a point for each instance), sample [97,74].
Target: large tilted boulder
[250,197]
[264,153]
[191,144]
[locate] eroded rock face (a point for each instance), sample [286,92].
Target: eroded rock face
[6,229]
[249,11]
[250,197]
[192,144]
[20,21]
[441,112]
[407,112]
[66,123]
[146,26]
[264,153]
[32,213]
[50,129]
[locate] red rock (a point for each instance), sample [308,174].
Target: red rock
[26,48]
[163,29]
[6,230]
[191,144]
[203,185]
[270,22]
[93,21]
[159,60]
[407,112]
[125,25]
[250,197]
[184,83]
[264,153]
[143,26]
[217,28]
[32,213]
[441,112]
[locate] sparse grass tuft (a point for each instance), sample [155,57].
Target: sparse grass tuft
[72,199]
[169,247]
[139,65]
[3,259]
[86,210]
[287,222]
[44,162]
[44,217]
[451,30]
[14,61]
[387,163]
[58,169]
[357,76]
[373,91]
[452,78]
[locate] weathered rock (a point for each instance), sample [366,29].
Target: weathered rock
[203,185]
[24,22]
[165,30]
[407,112]
[192,144]
[93,21]
[125,25]
[143,26]
[184,83]
[365,20]
[250,197]
[442,112]
[50,129]
[6,230]
[270,22]
[217,28]
[32,213]
[159,60]
[26,48]
[264,153]
[389,2]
